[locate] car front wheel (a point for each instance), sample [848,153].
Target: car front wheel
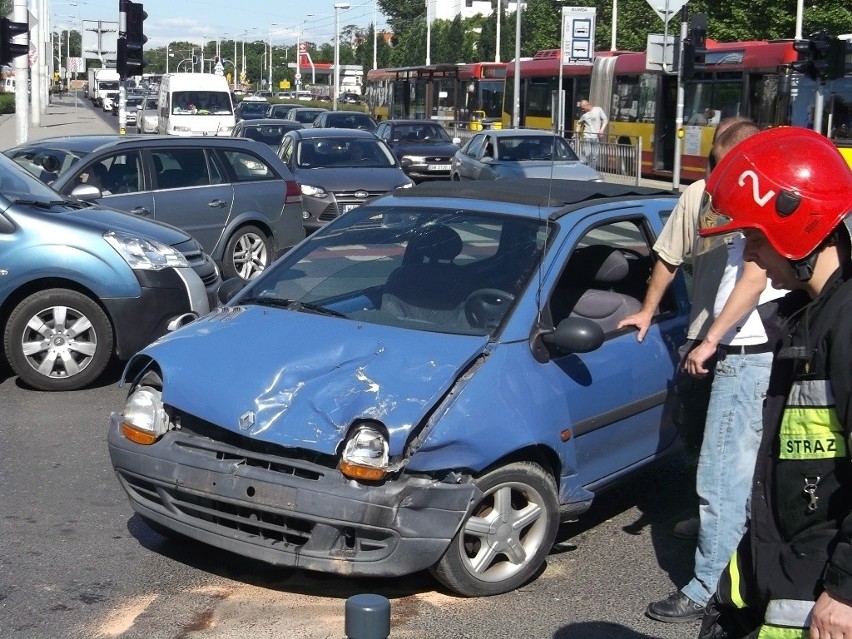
[58,340]
[248,252]
[506,537]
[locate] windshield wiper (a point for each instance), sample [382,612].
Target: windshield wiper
[263,300]
[42,204]
[320,310]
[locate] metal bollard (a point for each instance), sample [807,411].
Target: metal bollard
[367,617]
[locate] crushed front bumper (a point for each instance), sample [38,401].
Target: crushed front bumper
[288,512]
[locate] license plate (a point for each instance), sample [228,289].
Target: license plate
[439,167]
[349,207]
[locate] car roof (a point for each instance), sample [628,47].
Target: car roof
[410,122]
[533,133]
[270,122]
[531,195]
[332,132]
[91,143]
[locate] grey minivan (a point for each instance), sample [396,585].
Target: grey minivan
[233,195]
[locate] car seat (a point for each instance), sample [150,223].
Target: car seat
[123,178]
[429,286]
[591,274]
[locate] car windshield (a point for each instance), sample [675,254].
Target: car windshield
[43,162]
[341,152]
[351,121]
[305,117]
[420,133]
[253,107]
[448,271]
[524,148]
[17,184]
[201,103]
[269,134]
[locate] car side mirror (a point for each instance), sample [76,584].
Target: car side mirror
[572,335]
[406,162]
[229,288]
[87,192]
[456,141]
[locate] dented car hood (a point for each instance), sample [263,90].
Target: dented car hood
[300,380]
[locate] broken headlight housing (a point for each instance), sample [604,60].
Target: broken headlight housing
[365,455]
[144,419]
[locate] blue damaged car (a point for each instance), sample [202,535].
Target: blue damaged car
[437,380]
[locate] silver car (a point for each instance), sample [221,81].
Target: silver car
[512,153]
[233,195]
[339,169]
[146,115]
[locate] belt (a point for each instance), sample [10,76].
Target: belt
[746,349]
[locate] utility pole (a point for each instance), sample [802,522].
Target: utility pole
[22,77]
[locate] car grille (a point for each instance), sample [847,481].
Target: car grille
[199,261]
[344,200]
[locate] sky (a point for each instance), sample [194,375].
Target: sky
[249,20]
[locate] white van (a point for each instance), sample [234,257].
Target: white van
[7,84]
[195,104]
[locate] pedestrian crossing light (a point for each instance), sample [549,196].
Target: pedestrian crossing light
[695,46]
[131,44]
[10,50]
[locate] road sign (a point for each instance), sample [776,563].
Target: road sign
[666,8]
[578,35]
[297,76]
[219,69]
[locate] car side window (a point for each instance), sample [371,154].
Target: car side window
[286,150]
[114,174]
[180,168]
[218,174]
[475,145]
[247,167]
[606,275]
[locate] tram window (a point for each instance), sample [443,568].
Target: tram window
[728,98]
[538,96]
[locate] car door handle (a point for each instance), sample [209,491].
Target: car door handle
[141,210]
[217,203]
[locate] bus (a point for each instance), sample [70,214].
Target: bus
[739,78]
[460,95]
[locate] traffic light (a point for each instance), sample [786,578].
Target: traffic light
[8,49]
[821,57]
[132,42]
[695,46]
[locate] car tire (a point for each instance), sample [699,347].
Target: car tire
[247,253]
[58,340]
[479,561]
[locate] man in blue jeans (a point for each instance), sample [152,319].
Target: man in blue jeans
[733,425]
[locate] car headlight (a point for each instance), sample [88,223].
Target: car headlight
[143,254]
[313,191]
[144,418]
[407,185]
[365,455]
[415,159]
[182,128]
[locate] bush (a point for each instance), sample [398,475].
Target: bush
[7,102]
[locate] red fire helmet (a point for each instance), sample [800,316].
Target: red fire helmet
[790,183]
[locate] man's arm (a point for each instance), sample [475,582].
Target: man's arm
[742,300]
[662,276]
[604,123]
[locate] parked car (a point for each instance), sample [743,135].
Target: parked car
[350,98]
[251,109]
[504,153]
[84,283]
[305,115]
[423,147]
[234,196]
[280,110]
[269,131]
[346,120]
[146,115]
[339,169]
[470,389]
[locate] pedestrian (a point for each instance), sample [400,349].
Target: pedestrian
[738,344]
[592,124]
[789,191]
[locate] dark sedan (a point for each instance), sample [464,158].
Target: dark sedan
[269,131]
[346,120]
[251,110]
[423,147]
[339,169]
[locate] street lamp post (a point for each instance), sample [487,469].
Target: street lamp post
[269,39]
[336,88]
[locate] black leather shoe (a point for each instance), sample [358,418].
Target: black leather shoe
[676,608]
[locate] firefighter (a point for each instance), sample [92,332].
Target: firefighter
[790,192]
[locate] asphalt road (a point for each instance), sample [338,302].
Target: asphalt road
[76,563]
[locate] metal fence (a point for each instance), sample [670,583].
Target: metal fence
[617,160]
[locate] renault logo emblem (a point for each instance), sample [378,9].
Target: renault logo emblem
[246,420]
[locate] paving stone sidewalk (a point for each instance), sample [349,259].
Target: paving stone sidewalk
[72,114]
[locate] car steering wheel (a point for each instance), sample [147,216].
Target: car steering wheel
[485,307]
